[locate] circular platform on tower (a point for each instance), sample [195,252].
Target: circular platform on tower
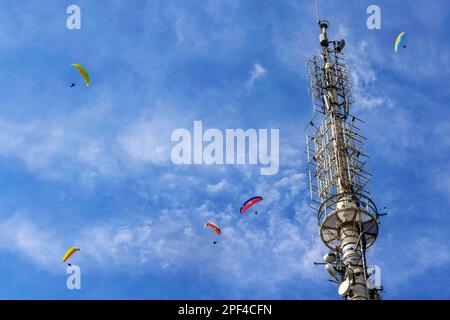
[347,208]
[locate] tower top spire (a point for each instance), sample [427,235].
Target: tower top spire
[317,11]
[323,25]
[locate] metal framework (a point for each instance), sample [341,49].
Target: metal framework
[338,177]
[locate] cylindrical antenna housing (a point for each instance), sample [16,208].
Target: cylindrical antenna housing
[323,24]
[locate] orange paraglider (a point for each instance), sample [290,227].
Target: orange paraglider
[214,227]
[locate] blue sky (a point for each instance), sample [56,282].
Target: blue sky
[90,167]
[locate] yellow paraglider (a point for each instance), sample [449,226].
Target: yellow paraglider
[398,40]
[83,73]
[69,253]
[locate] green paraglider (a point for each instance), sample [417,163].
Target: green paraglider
[83,72]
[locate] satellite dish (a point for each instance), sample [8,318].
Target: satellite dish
[329,257]
[374,277]
[344,288]
[331,269]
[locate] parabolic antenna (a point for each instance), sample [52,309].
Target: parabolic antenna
[329,257]
[331,269]
[344,288]
[374,277]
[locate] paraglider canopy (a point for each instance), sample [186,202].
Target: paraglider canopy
[83,72]
[214,227]
[69,253]
[399,40]
[250,202]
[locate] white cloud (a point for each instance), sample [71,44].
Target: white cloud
[69,147]
[60,147]
[172,240]
[417,257]
[218,187]
[294,182]
[257,72]
[21,236]
[147,141]
[227,34]
[364,78]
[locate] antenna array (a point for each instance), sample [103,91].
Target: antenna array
[338,178]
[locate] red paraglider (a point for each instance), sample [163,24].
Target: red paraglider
[214,227]
[250,202]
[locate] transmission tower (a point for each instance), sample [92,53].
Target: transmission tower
[338,178]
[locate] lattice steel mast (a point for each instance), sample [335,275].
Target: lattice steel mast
[348,218]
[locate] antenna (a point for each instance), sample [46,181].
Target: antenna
[348,219]
[317,11]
